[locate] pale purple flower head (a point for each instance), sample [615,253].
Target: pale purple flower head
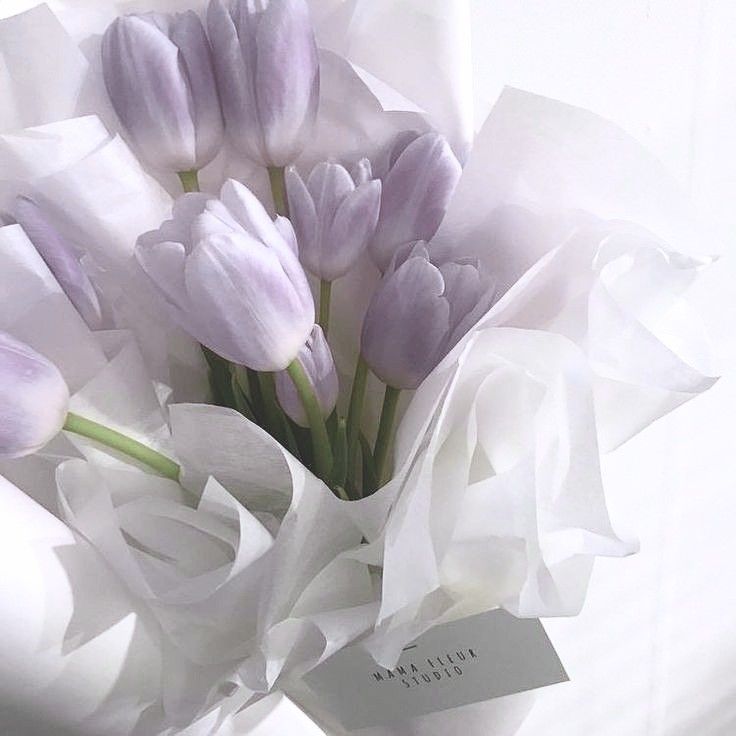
[420,179]
[333,218]
[268,75]
[316,360]
[418,314]
[61,258]
[232,278]
[34,399]
[158,72]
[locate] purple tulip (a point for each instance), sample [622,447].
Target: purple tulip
[333,218]
[61,259]
[417,186]
[34,399]
[316,360]
[418,314]
[158,72]
[232,278]
[268,75]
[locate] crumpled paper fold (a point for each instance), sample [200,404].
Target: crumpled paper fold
[77,651]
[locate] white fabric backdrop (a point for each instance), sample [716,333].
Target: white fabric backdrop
[654,651]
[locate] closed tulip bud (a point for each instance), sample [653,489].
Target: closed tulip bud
[268,75]
[34,399]
[417,187]
[333,218]
[158,72]
[316,360]
[232,278]
[61,259]
[418,314]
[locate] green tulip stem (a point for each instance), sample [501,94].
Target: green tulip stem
[325,293]
[320,438]
[386,432]
[278,190]
[355,413]
[123,444]
[189,180]
[271,407]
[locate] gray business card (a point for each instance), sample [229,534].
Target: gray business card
[463,662]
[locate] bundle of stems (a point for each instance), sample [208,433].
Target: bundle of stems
[336,449]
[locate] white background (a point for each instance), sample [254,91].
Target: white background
[654,651]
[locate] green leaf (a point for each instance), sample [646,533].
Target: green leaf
[256,399]
[331,424]
[340,468]
[219,378]
[292,445]
[370,476]
[242,402]
[303,441]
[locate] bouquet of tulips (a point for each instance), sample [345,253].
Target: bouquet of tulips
[291,360]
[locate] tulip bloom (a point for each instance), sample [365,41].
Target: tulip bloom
[158,72]
[34,408]
[316,361]
[232,278]
[268,75]
[333,218]
[417,187]
[34,399]
[418,313]
[61,259]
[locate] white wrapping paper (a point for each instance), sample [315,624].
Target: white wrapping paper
[419,49]
[76,652]
[46,86]
[548,179]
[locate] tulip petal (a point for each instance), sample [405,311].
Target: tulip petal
[286,79]
[247,209]
[178,229]
[231,55]
[406,326]
[416,193]
[303,217]
[226,301]
[286,230]
[352,228]
[188,34]
[164,263]
[216,218]
[34,399]
[148,92]
[59,256]
[328,184]
[470,292]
